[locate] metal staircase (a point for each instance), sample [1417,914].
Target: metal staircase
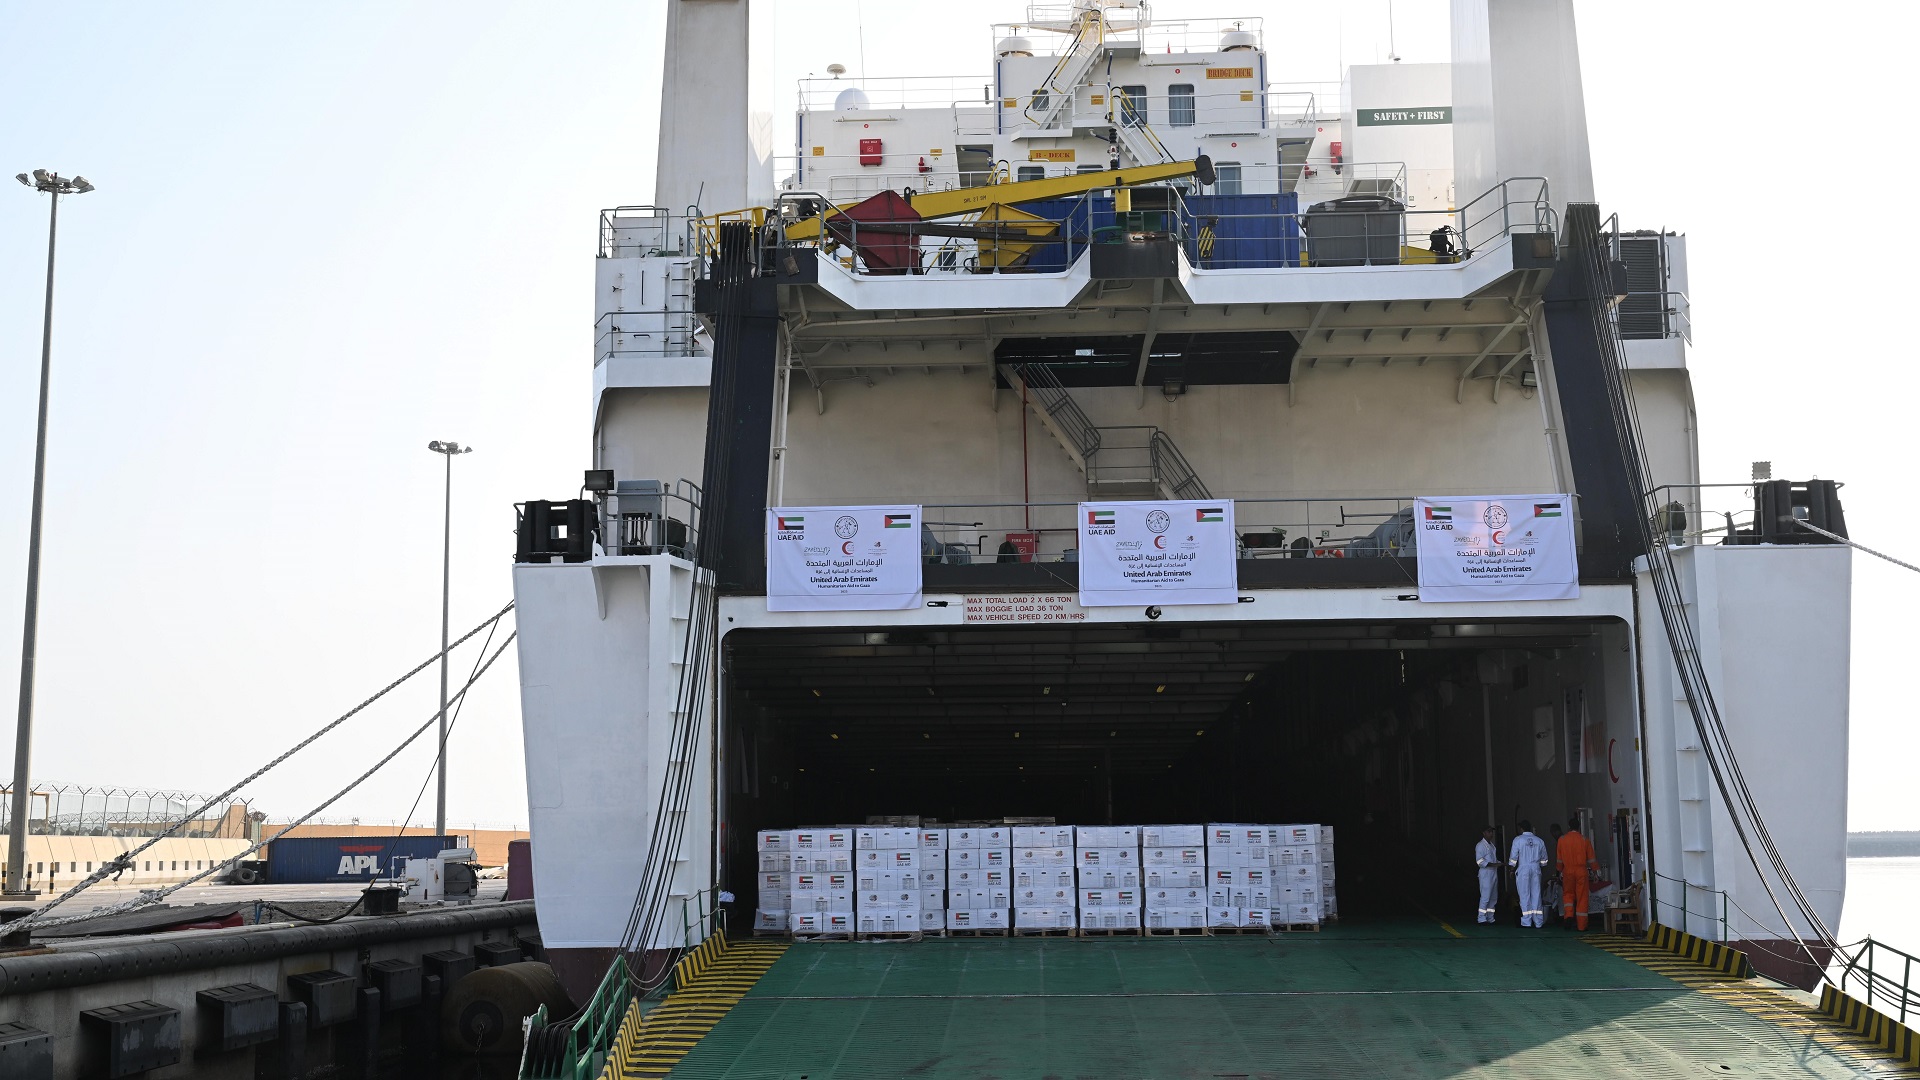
[1129,122]
[1131,461]
[1055,95]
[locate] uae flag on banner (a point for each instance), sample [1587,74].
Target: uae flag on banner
[1506,547]
[1160,553]
[843,558]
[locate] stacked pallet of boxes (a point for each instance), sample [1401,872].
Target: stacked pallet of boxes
[1043,879]
[931,843]
[1107,878]
[821,886]
[887,872]
[1297,871]
[1329,907]
[775,903]
[1239,876]
[979,879]
[1173,868]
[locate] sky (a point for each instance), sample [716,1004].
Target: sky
[324,236]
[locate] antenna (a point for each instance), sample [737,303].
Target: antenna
[1393,54]
[860,25]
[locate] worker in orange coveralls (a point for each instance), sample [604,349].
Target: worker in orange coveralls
[1576,859]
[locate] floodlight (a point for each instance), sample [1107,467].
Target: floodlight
[81,186]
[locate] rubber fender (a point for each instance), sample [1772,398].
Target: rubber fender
[483,1013]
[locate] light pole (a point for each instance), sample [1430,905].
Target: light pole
[450,450]
[15,883]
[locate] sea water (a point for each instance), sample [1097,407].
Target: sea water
[1883,900]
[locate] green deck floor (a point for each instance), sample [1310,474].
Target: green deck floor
[1360,1001]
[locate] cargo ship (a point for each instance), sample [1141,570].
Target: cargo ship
[1132,440]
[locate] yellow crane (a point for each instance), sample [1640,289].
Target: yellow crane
[998,225]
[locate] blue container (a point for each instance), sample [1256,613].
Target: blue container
[306,860]
[1248,231]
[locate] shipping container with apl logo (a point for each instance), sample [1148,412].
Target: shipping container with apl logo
[301,860]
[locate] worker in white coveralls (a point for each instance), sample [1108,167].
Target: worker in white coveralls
[1528,859]
[1486,859]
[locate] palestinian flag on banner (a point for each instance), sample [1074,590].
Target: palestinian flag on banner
[898,521]
[789,523]
[1209,513]
[1546,509]
[1099,517]
[1439,513]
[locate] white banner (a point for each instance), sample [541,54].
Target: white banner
[1505,547]
[843,558]
[1158,553]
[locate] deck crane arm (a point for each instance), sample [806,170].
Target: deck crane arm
[953,202]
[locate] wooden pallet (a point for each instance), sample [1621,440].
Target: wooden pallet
[810,938]
[1045,931]
[976,931]
[1289,928]
[889,935]
[1174,931]
[1232,931]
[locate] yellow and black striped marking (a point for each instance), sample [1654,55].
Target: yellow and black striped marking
[1709,954]
[1882,1030]
[708,982]
[1754,998]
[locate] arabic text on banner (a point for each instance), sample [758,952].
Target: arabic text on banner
[843,558]
[1158,553]
[1504,547]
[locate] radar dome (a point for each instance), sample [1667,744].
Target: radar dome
[1237,40]
[851,98]
[1014,46]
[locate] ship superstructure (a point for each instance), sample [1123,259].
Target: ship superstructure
[1329,302]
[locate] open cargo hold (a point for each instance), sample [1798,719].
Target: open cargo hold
[1385,731]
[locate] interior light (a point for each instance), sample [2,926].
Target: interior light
[833,735]
[1202,731]
[1249,677]
[816,693]
[1016,734]
[924,735]
[1161,689]
[1046,689]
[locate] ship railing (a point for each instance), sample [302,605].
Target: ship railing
[653,334]
[579,1047]
[665,521]
[1645,315]
[1870,963]
[632,232]
[1045,21]
[1704,514]
[702,915]
[1318,527]
[1699,906]
[1213,235]
[904,92]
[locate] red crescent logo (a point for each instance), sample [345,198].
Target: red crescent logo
[1160,542]
[1497,538]
[846,548]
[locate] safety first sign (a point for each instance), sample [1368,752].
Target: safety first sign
[1508,547]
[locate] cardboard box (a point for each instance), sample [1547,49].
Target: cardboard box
[1044,918]
[1174,856]
[776,862]
[1300,915]
[823,862]
[1256,917]
[978,919]
[1326,852]
[1183,918]
[775,919]
[814,842]
[1042,898]
[1175,877]
[874,900]
[774,883]
[1300,875]
[1106,836]
[1222,834]
[933,899]
[969,899]
[820,922]
[1173,835]
[978,878]
[1326,835]
[1043,856]
[1230,858]
[1043,836]
[1108,898]
[1329,906]
[1107,857]
[820,900]
[977,858]
[1110,919]
[1113,877]
[1041,877]
[780,840]
[997,836]
[963,838]
[1220,896]
[890,921]
[930,839]
[1295,835]
[871,880]
[1223,916]
[932,877]
[1168,899]
[1326,874]
[1306,897]
[1253,876]
[822,883]
[888,859]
